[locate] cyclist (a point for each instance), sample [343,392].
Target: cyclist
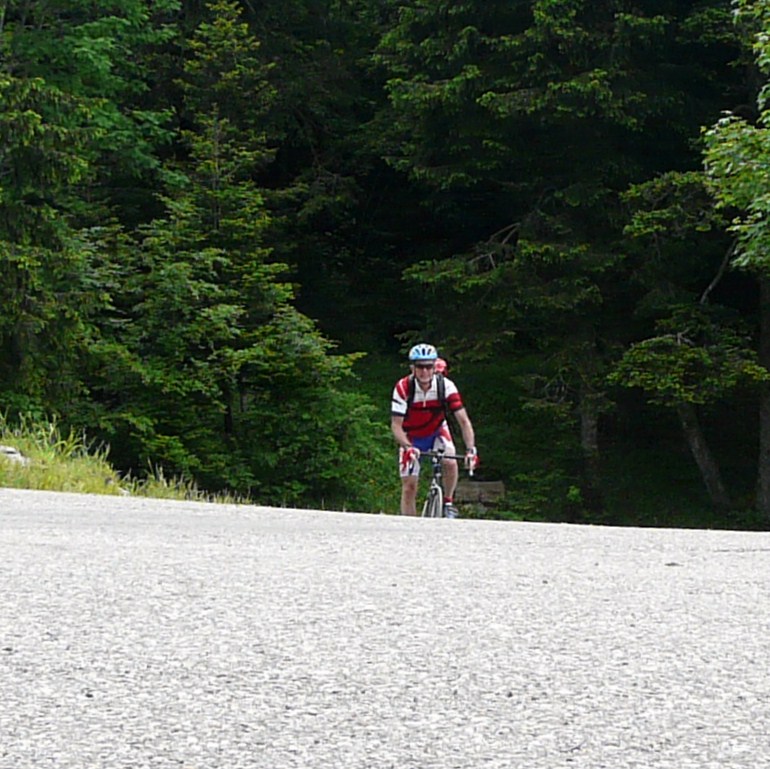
[419,423]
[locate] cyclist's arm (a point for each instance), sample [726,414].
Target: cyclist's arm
[469,436]
[397,426]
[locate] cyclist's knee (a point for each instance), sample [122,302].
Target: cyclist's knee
[450,466]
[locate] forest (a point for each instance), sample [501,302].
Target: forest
[224,223]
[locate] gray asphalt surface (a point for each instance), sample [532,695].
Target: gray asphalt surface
[139,633]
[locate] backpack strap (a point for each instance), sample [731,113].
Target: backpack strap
[441,387]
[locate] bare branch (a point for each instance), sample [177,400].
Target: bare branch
[720,272]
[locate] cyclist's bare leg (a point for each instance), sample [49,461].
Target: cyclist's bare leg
[450,473]
[449,466]
[409,495]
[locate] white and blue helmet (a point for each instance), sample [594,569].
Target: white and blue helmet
[422,351]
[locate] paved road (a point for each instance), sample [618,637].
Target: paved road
[138,633]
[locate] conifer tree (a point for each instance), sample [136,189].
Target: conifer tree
[223,379]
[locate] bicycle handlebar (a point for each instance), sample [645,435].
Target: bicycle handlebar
[442,455]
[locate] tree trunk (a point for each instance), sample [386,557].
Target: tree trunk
[763,464]
[589,443]
[707,465]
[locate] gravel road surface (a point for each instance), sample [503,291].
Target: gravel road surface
[139,633]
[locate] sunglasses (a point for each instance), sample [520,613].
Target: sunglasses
[424,365]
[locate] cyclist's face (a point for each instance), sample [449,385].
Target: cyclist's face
[423,371]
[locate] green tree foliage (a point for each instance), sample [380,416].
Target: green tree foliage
[527,121]
[68,120]
[42,271]
[221,378]
[339,214]
[696,352]
[184,186]
[736,158]
[103,54]
[692,360]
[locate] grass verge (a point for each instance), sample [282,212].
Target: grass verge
[53,461]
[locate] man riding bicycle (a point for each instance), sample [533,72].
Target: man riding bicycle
[418,419]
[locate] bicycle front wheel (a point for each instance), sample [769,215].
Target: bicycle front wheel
[434,504]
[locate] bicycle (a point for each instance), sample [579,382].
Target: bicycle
[434,502]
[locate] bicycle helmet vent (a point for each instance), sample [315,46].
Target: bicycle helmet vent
[422,352]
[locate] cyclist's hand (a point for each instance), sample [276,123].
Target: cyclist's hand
[471,459]
[408,456]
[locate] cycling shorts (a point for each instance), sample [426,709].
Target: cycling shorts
[441,439]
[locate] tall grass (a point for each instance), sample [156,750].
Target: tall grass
[58,461]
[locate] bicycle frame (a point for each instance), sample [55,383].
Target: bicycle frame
[434,502]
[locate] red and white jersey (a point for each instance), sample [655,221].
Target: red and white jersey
[426,413]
